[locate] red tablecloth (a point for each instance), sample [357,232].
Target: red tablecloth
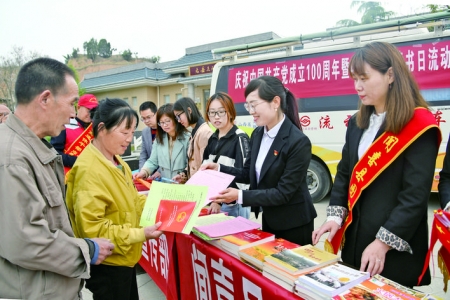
[159,260]
[193,269]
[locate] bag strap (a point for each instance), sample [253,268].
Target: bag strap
[221,147]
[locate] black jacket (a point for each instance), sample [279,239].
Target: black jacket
[396,200]
[282,191]
[233,149]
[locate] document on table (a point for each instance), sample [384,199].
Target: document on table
[228,227]
[214,180]
[177,206]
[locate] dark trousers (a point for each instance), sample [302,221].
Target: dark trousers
[113,283]
[301,235]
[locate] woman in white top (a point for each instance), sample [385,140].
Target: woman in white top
[276,165]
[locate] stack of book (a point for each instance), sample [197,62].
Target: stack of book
[207,220]
[236,242]
[287,265]
[328,282]
[255,255]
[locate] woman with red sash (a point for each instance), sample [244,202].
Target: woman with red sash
[377,213]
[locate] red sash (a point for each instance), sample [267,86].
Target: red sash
[439,232]
[383,151]
[79,144]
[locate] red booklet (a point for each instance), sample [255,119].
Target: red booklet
[142,185]
[174,215]
[241,240]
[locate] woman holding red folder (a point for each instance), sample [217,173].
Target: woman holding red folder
[378,204]
[103,202]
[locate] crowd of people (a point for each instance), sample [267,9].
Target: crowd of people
[83,224]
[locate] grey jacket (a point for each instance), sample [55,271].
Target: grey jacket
[146,147]
[39,257]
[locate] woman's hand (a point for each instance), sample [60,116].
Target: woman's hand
[151,232]
[209,166]
[141,174]
[331,226]
[214,208]
[155,176]
[373,257]
[226,196]
[180,178]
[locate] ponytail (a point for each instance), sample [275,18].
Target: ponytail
[290,109]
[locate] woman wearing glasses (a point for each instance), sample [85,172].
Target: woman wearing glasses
[276,165]
[187,114]
[170,146]
[228,145]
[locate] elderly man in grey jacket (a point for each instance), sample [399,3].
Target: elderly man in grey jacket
[39,256]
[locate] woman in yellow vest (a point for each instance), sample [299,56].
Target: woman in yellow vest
[378,204]
[103,202]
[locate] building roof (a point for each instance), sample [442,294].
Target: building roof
[152,74]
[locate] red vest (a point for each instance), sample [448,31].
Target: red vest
[72,133]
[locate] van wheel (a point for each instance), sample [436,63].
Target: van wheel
[318,180]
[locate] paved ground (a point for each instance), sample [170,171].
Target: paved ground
[149,290]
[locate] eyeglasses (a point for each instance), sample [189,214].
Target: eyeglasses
[251,106]
[219,113]
[167,123]
[178,116]
[143,119]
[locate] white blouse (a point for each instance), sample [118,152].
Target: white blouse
[370,133]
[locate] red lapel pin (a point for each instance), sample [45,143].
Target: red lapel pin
[275,152]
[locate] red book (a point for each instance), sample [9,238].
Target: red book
[142,185]
[233,243]
[174,215]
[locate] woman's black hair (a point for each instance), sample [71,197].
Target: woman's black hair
[183,104]
[268,87]
[167,109]
[112,112]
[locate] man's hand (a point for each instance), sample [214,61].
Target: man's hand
[105,249]
[214,208]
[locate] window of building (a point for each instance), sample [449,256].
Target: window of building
[134,101]
[126,100]
[178,96]
[166,98]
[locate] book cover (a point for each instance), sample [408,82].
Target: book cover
[231,226]
[174,214]
[389,289]
[255,255]
[356,293]
[302,259]
[245,239]
[332,280]
[176,205]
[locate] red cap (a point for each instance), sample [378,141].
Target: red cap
[88,101]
